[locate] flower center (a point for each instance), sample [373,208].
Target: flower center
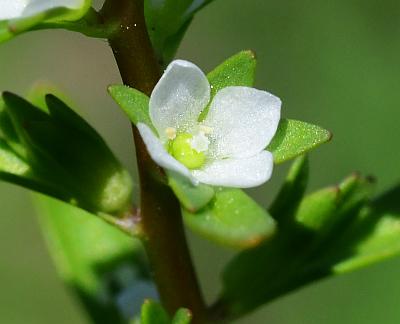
[189,149]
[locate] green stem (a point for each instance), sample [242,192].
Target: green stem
[161,218]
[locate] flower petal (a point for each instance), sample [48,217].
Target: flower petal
[11,9]
[159,154]
[243,120]
[23,8]
[179,97]
[237,173]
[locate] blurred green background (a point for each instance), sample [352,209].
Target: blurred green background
[334,63]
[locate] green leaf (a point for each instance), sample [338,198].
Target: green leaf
[298,254]
[192,197]
[15,170]
[39,186]
[97,261]
[292,191]
[65,152]
[62,114]
[374,236]
[294,138]
[182,316]
[238,70]
[154,313]
[21,112]
[134,103]
[327,214]
[8,132]
[318,208]
[232,219]
[51,100]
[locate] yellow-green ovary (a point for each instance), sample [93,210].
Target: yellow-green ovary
[181,149]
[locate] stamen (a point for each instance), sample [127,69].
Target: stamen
[170,132]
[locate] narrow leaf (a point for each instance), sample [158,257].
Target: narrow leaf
[294,138]
[232,219]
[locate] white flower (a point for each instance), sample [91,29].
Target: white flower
[224,149]
[16,9]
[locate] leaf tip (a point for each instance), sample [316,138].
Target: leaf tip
[50,98]
[110,88]
[329,136]
[6,95]
[252,54]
